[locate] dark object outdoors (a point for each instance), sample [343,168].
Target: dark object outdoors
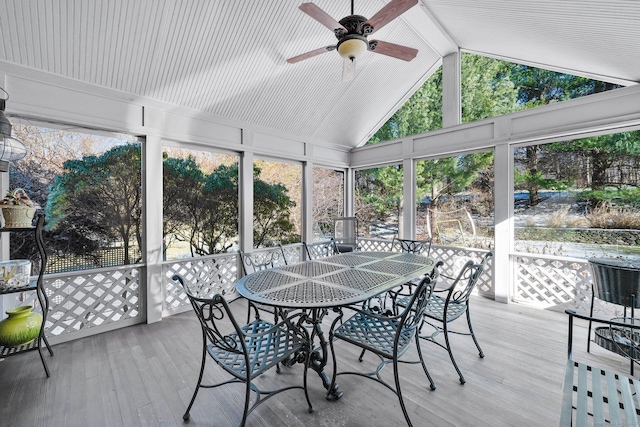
[617,282]
[345,233]
[388,337]
[453,303]
[245,352]
[593,396]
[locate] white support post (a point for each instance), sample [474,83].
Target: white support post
[152,175]
[407,227]
[503,214]
[451,90]
[246,194]
[307,202]
[349,192]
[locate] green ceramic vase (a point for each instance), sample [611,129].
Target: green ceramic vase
[21,327]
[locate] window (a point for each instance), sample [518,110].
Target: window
[277,203]
[200,203]
[89,186]
[455,200]
[579,198]
[491,87]
[328,201]
[378,201]
[421,113]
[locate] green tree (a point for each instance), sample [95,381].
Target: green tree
[421,113]
[602,152]
[97,200]
[538,87]
[271,212]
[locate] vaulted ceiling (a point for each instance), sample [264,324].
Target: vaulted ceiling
[228,58]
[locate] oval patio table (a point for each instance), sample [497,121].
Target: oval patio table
[331,283]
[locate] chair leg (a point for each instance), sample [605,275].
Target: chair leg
[453,360]
[396,377]
[195,392]
[306,371]
[480,353]
[247,397]
[424,366]
[361,358]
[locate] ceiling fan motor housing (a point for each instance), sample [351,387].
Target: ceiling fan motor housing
[354,41]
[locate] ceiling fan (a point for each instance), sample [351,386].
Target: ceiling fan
[352,31]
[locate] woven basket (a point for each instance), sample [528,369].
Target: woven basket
[18,216]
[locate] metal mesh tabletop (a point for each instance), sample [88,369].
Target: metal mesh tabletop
[312,268]
[267,279]
[333,281]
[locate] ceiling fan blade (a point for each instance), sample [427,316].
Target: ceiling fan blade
[321,16]
[390,12]
[395,50]
[348,69]
[310,54]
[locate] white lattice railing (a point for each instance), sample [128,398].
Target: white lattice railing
[84,303]
[223,270]
[453,257]
[557,283]
[88,302]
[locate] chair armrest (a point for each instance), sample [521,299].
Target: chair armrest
[610,322]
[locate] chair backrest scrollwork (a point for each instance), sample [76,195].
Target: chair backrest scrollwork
[262,260]
[467,278]
[210,312]
[418,247]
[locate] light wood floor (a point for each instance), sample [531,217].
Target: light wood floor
[144,376]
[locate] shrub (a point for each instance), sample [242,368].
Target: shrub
[606,216]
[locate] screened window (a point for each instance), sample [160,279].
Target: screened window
[455,200]
[200,203]
[328,201]
[277,203]
[89,186]
[378,201]
[579,198]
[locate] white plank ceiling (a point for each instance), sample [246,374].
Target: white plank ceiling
[227,58]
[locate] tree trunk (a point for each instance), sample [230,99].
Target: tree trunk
[532,167]
[599,171]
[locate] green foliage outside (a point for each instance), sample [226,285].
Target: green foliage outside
[97,200]
[491,88]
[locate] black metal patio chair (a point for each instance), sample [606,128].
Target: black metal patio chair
[389,337]
[447,305]
[262,260]
[321,249]
[417,247]
[245,352]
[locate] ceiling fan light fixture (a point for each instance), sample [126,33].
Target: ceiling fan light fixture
[352,46]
